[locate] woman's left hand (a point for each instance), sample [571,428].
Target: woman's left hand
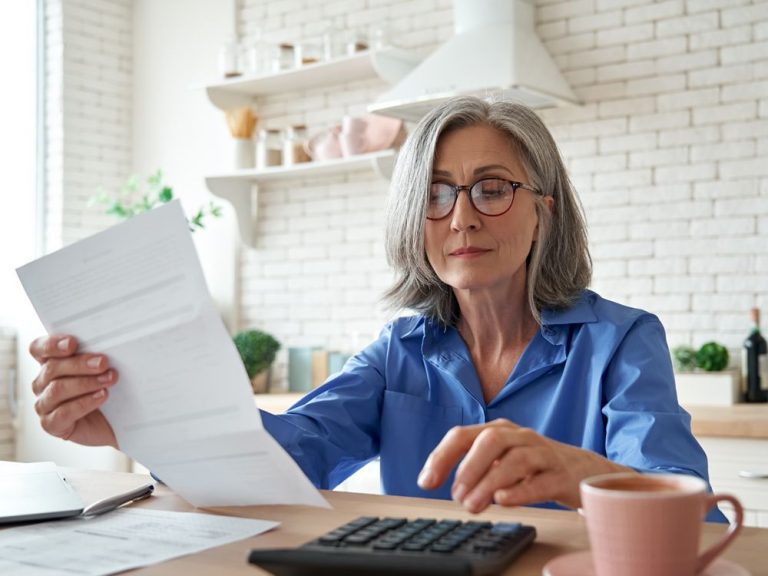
[511,466]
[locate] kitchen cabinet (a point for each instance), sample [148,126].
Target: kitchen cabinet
[735,439]
[728,458]
[240,187]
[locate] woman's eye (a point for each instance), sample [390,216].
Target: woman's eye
[440,195]
[493,189]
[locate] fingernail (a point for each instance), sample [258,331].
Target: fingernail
[106,377]
[459,491]
[63,344]
[426,479]
[94,362]
[473,502]
[99,394]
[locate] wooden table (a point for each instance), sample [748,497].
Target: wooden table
[559,532]
[737,421]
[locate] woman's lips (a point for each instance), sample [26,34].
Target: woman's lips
[468,251]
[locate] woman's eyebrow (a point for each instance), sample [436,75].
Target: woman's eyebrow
[491,168]
[477,171]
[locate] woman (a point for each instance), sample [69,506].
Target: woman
[510,369]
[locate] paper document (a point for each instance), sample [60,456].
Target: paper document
[118,541]
[183,405]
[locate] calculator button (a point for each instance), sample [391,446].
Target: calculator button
[506,527]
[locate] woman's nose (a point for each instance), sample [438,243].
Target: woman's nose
[464,215]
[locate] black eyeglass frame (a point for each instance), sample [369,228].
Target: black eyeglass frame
[456,189]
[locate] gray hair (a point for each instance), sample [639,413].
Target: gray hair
[559,265]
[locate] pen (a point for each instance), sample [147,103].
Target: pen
[108,504]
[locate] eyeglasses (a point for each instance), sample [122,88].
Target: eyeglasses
[490,197]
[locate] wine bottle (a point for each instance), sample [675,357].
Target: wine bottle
[754,363]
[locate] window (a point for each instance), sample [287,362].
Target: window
[20,207]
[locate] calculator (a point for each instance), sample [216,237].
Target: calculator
[371,545]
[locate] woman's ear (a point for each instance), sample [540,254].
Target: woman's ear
[549,205]
[549,202]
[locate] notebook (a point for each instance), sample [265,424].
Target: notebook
[35,492]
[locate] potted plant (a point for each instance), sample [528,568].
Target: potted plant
[257,351]
[135,198]
[701,376]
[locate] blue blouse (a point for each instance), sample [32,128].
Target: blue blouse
[597,375]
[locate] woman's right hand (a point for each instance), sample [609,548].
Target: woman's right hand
[70,389]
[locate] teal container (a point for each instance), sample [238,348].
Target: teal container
[300,369]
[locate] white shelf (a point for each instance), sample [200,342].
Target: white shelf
[240,187]
[390,64]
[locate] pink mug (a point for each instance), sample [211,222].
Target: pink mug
[642,524]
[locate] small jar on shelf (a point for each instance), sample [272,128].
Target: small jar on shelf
[282,57]
[229,59]
[355,41]
[305,53]
[293,145]
[330,41]
[268,149]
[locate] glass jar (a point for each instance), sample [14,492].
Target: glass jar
[255,56]
[229,59]
[379,37]
[293,145]
[355,42]
[268,149]
[283,57]
[330,43]
[305,53]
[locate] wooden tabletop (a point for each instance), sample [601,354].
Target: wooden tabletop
[558,532]
[737,421]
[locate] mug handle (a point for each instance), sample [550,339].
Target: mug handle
[733,530]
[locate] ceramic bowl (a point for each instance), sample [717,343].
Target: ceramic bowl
[325,145]
[382,132]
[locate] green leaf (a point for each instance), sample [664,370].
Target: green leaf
[155,179]
[257,350]
[131,186]
[118,210]
[712,357]
[684,358]
[134,199]
[166,194]
[197,219]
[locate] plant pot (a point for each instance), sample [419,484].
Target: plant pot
[261,382]
[708,388]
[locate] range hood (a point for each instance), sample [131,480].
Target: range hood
[494,53]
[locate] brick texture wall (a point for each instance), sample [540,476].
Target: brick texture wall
[8,392]
[88,76]
[318,272]
[668,153]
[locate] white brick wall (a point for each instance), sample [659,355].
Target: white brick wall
[318,271]
[668,154]
[7,380]
[689,97]
[88,112]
